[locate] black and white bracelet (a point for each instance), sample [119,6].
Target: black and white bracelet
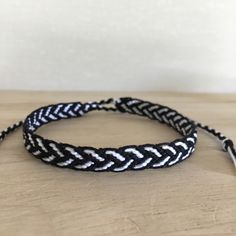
[130,157]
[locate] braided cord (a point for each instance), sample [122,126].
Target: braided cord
[130,157]
[10,129]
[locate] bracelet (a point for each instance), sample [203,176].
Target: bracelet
[130,157]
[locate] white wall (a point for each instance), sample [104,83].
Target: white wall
[118,45]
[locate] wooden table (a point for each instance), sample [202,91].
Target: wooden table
[196,197]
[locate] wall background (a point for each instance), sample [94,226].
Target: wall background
[118,45]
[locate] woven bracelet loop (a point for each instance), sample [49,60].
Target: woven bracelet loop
[129,157]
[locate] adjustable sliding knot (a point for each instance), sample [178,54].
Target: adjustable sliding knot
[108,105]
[227,143]
[229,147]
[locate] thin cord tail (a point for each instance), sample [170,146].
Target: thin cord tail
[229,147]
[10,129]
[227,144]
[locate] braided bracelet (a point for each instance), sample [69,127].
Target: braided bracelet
[131,157]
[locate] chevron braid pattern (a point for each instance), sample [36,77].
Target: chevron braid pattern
[131,157]
[110,159]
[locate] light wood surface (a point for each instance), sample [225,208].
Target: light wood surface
[196,197]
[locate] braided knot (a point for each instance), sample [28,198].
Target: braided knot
[132,157]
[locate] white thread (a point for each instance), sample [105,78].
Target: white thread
[48,110]
[94,154]
[49,159]
[183,122]
[166,147]
[40,113]
[40,143]
[178,128]
[35,118]
[184,157]
[183,130]
[141,165]
[176,159]
[155,107]
[172,123]
[166,121]
[162,163]
[87,106]
[85,166]
[67,107]
[191,140]
[137,111]
[31,140]
[115,154]
[81,112]
[71,113]
[188,127]
[109,164]
[44,120]
[77,107]
[157,116]
[177,118]
[153,150]
[36,153]
[172,113]
[134,151]
[124,166]
[94,105]
[51,116]
[62,115]
[58,108]
[74,153]
[37,124]
[142,105]
[125,108]
[182,145]
[56,149]
[129,103]
[147,113]
[162,110]
[66,163]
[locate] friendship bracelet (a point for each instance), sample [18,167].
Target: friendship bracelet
[130,157]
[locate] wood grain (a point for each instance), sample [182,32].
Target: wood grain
[196,197]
